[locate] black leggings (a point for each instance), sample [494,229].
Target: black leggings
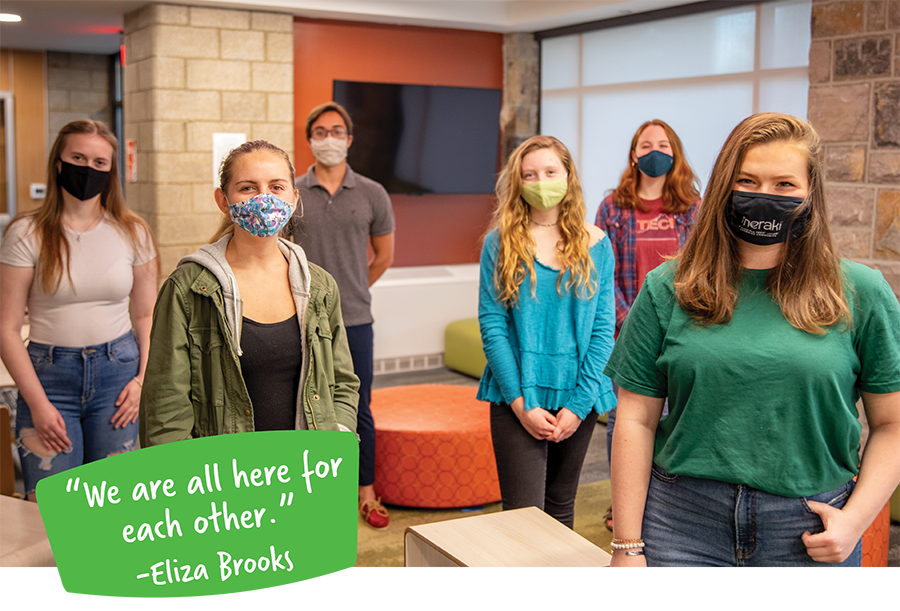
[538,473]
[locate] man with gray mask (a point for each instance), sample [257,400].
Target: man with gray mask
[341,215]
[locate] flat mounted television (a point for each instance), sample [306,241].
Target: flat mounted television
[419,139]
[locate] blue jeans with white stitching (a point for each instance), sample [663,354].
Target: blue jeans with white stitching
[83,384]
[691,521]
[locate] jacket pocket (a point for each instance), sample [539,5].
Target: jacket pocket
[324,357]
[207,378]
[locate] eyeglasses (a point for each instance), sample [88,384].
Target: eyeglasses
[320,133]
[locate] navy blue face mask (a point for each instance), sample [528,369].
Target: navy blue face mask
[763,219]
[655,163]
[81,181]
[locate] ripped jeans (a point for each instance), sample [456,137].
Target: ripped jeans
[83,384]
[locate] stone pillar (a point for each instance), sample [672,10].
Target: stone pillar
[521,90]
[854,103]
[191,72]
[77,88]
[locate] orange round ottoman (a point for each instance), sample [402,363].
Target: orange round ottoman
[433,447]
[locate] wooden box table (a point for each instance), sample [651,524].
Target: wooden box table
[515,538]
[23,540]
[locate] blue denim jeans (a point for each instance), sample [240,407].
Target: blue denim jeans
[83,384]
[690,521]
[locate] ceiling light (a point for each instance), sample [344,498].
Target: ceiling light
[10,18]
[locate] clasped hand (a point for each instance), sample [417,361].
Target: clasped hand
[541,424]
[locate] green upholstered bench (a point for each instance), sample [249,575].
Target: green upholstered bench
[463,351]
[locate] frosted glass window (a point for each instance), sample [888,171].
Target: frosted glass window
[699,45]
[785,94]
[702,74]
[562,54]
[784,35]
[559,118]
[610,120]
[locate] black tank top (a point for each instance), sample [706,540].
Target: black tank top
[270,363]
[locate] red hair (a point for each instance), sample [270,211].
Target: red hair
[681,188]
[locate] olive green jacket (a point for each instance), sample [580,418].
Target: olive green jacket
[193,385]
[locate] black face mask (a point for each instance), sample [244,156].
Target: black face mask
[81,181]
[763,219]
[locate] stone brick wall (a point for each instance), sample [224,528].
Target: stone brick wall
[521,90]
[854,103]
[77,88]
[191,72]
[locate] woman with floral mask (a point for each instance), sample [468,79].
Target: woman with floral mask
[78,263]
[763,340]
[547,315]
[647,217]
[247,335]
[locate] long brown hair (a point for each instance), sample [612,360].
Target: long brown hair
[512,218]
[227,169]
[806,284]
[681,188]
[47,219]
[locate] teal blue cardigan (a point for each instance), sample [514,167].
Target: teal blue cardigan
[550,349]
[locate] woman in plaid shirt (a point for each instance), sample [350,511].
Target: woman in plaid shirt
[647,217]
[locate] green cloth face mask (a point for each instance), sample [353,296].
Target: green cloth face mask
[545,194]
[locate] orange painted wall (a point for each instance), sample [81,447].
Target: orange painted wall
[431,229]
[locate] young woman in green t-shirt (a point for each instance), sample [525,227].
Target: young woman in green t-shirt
[763,340]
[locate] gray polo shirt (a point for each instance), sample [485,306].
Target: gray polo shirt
[334,231]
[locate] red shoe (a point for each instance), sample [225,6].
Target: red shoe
[374,513]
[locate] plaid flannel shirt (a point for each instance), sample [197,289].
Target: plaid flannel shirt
[619,224]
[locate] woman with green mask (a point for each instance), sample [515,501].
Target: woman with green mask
[547,315]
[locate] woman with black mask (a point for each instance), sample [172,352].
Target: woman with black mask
[77,265]
[763,340]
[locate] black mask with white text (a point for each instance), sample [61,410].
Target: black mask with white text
[763,219]
[81,181]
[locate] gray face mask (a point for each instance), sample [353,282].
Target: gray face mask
[763,219]
[329,151]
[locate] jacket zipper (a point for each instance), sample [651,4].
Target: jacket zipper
[306,391]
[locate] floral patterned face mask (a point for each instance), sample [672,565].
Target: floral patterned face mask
[262,215]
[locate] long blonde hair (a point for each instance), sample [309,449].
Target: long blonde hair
[55,251]
[512,218]
[807,283]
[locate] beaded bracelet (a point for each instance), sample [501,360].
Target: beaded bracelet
[621,544]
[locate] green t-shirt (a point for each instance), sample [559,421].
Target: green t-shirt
[757,401]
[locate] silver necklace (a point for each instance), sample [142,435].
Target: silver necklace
[546,224]
[78,234]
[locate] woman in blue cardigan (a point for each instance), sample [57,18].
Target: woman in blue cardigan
[547,316]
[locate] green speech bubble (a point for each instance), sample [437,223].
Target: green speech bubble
[206,516]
